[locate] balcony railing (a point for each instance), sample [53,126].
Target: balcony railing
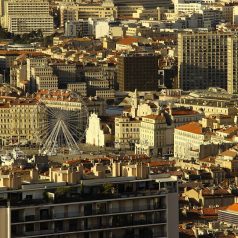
[94,212]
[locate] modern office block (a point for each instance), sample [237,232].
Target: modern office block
[138,71]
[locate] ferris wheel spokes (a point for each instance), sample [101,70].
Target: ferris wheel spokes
[61,127]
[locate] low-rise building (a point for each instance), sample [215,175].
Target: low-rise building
[193,141]
[127,132]
[211,197]
[228,215]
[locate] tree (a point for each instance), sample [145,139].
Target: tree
[107,188]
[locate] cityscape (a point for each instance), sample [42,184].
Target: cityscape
[119,118]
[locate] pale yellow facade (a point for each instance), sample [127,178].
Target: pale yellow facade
[73,12]
[19,122]
[24,16]
[127,132]
[156,137]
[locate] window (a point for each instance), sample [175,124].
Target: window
[44,226]
[29,227]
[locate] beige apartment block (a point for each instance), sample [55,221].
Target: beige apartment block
[24,16]
[20,121]
[156,137]
[127,132]
[80,87]
[74,12]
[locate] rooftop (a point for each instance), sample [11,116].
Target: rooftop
[192,127]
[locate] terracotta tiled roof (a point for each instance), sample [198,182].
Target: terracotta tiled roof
[161,163]
[127,41]
[219,191]
[209,211]
[209,159]
[183,112]
[192,127]
[229,130]
[154,117]
[229,153]
[232,208]
[186,233]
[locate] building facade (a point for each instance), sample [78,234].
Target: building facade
[156,136]
[137,72]
[202,60]
[98,133]
[127,132]
[153,214]
[232,66]
[24,16]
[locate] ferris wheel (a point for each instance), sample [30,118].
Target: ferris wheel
[62,125]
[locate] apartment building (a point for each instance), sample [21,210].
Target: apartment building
[229,215]
[68,100]
[213,101]
[80,87]
[42,77]
[202,60]
[24,16]
[107,73]
[106,93]
[74,12]
[187,8]
[139,205]
[230,13]
[41,61]
[46,82]
[145,3]
[137,71]
[98,83]
[232,64]
[67,73]
[193,141]
[211,197]
[80,28]
[21,120]
[127,132]
[156,136]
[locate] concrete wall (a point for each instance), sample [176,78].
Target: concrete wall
[4,223]
[173,217]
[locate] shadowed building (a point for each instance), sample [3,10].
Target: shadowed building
[138,71]
[202,60]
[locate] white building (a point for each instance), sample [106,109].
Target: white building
[102,29]
[98,133]
[192,141]
[187,7]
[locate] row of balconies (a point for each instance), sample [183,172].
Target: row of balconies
[86,226]
[51,214]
